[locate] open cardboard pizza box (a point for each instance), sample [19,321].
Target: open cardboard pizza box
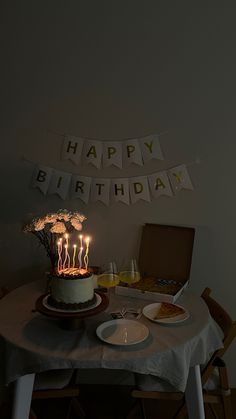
[165,258]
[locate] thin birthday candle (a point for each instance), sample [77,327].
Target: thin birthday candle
[80,257]
[80,251]
[74,253]
[66,257]
[86,253]
[59,250]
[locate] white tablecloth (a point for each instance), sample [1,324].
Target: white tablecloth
[31,342]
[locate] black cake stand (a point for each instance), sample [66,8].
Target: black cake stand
[71,320]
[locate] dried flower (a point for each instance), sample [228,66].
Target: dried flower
[58,227]
[47,229]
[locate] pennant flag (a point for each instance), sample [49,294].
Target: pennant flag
[80,187]
[150,147]
[179,178]
[132,153]
[60,183]
[92,153]
[100,190]
[159,184]
[41,178]
[138,187]
[120,190]
[72,149]
[112,154]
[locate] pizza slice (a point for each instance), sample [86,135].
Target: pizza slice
[167,310]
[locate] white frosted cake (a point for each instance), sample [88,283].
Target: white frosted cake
[72,289]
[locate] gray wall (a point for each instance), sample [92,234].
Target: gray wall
[114,70]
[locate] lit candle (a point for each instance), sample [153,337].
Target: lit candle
[80,251]
[86,259]
[59,251]
[74,253]
[66,256]
[80,257]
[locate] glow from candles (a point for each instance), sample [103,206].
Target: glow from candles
[86,259]
[74,253]
[59,250]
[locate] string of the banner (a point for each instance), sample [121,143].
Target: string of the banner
[102,139]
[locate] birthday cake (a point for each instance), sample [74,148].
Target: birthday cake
[72,289]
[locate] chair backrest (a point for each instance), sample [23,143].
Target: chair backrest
[227,325]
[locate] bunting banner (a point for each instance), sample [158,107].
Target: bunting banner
[107,153]
[111,190]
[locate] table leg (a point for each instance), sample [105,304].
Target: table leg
[22,396]
[193,394]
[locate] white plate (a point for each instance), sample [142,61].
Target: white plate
[122,332]
[59,310]
[151,310]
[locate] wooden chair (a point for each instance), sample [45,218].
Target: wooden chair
[221,394]
[55,384]
[69,390]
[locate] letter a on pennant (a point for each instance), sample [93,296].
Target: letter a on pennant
[159,184]
[92,153]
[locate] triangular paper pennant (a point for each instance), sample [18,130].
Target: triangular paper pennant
[60,183]
[132,153]
[100,190]
[41,178]
[150,147]
[72,149]
[80,187]
[92,153]
[112,154]
[179,178]
[139,189]
[159,184]
[120,190]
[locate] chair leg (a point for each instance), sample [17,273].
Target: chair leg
[77,408]
[142,405]
[226,392]
[181,412]
[212,410]
[32,414]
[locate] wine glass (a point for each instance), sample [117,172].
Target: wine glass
[129,273]
[109,276]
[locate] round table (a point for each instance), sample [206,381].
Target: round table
[31,342]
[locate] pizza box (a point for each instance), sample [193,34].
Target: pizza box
[165,258]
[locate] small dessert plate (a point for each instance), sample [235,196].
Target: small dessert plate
[150,311]
[122,332]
